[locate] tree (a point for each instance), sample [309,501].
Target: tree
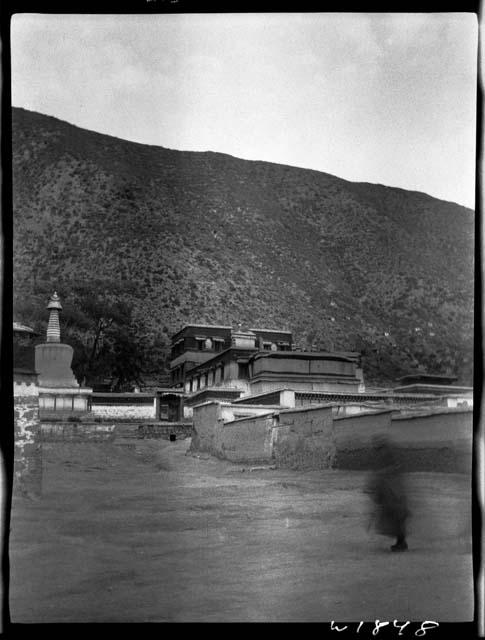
[123,355]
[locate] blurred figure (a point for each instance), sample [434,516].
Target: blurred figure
[388,493]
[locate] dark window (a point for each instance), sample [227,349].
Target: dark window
[243,372]
[222,372]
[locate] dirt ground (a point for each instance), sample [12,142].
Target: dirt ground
[138,531]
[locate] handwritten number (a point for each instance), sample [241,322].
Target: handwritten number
[334,627]
[427,625]
[422,630]
[401,626]
[379,624]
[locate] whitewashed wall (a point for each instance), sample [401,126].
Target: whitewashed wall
[135,411]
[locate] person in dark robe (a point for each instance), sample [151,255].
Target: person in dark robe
[387,490]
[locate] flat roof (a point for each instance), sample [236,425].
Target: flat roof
[273,331]
[329,355]
[198,326]
[260,415]
[407,414]
[437,376]
[274,407]
[218,355]
[126,394]
[359,396]
[263,393]
[138,394]
[438,387]
[222,326]
[324,405]
[368,395]
[213,389]
[205,326]
[363,414]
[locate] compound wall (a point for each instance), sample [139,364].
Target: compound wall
[353,436]
[210,420]
[314,438]
[28,447]
[246,439]
[143,410]
[436,441]
[304,439]
[72,432]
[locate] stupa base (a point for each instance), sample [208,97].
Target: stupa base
[66,400]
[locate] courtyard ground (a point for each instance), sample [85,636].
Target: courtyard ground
[138,531]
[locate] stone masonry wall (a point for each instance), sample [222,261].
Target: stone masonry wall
[28,447]
[72,432]
[124,411]
[165,431]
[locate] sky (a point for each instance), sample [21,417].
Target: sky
[381,98]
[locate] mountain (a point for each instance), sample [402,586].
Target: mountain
[206,237]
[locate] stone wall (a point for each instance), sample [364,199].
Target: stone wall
[164,431]
[303,438]
[72,432]
[28,448]
[124,411]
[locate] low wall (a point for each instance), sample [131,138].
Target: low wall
[210,419]
[246,439]
[314,438]
[237,411]
[207,419]
[303,439]
[28,446]
[164,431]
[353,438]
[137,411]
[73,432]
[438,441]
[291,438]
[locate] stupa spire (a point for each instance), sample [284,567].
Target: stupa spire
[53,328]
